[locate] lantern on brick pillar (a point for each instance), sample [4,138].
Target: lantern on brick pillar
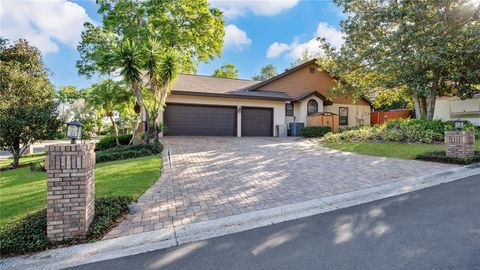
[74,131]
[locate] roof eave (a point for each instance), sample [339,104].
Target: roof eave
[203,94]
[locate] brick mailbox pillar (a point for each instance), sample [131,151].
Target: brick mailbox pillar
[70,190]
[460,144]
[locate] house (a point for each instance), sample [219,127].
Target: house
[211,106]
[453,108]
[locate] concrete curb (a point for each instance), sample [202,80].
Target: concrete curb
[169,237]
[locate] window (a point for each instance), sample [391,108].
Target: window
[312,107]
[343,116]
[312,70]
[288,109]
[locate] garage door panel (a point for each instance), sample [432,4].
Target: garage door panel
[199,120]
[257,121]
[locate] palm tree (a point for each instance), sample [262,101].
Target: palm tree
[109,96]
[161,70]
[128,58]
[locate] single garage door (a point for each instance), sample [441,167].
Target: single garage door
[257,121]
[200,120]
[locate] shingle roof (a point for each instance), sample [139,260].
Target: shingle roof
[208,84]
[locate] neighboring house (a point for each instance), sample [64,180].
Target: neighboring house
[453,108]
[211,106]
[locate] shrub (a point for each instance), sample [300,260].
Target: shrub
[126,152]
[108,142]
[37,166]
[30,233]
[363,133]
[315,131]
[440,156]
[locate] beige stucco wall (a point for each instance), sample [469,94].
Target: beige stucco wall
[357,114]
[443,109]
[278,106]
[300,110]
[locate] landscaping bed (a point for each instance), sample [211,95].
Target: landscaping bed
[440,156]
[29,234]
[399,138]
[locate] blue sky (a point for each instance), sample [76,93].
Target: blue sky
[257,32]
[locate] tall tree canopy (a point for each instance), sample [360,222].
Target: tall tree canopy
[226,71]
[28,111]
[190,28]
[266,73]
[151,36]
[429,48]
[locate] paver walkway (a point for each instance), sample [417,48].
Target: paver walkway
[205,178]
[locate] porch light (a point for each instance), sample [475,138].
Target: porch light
[74,131]
[459,124]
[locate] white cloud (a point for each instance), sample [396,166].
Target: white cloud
[275,49]
[45,24]
[236,8]
[296,49]
[235,38]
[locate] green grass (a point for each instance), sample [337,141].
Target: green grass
[391,150]
[23,191]
[23,160]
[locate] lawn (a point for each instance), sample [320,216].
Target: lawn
[23,160]
[391,150]
[23,191]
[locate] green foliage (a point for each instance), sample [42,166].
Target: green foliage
[191,29]
[440,156]
[27,110]
[266,73]
[108,142]
[126,152]
[107,212]
[226,71]
[30,233]
[428,47]
[400,130]
[315,131]
[38,166]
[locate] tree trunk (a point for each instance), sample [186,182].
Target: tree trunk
[137,123]
[114,126]
[416,103]
[431,101]
[139,98]
[423,106]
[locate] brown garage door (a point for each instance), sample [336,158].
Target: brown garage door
[257,121]
[199,120]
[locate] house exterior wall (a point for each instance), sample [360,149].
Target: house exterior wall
[302,81]
[357,114]
[278,106]
[447,108]
[300,110]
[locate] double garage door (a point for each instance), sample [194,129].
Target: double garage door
[203,120]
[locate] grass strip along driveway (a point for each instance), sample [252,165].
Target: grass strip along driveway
[23,192]
[391,150]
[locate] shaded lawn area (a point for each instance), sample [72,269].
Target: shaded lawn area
[23,160]
[23,191]
[391,150]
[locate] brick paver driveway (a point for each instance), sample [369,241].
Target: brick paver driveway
[207,178]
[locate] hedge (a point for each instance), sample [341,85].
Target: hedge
[440,156]
[315,131]
[400,130]
[126,152]
[108,142]
[30,233]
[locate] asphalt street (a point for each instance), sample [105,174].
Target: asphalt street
[434,228]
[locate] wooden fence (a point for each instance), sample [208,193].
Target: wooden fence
[382,117]
[324,119]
